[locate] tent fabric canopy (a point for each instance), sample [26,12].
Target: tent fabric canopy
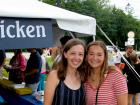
[65,19]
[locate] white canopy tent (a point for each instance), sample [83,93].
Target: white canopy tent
[65,19]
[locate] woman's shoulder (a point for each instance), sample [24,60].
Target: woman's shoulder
[137,65]
[115,72]
[116,77]
[113,69]
[52,76]
[53,73]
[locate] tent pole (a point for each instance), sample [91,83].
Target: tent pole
[131,67]
[71,34]
[94,38]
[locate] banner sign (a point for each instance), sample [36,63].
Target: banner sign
[18,33]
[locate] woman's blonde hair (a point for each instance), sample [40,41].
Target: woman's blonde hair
[133,57]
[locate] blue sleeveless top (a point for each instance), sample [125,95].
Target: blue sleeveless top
[66,96]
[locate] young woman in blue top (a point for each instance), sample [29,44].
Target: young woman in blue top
[64,85]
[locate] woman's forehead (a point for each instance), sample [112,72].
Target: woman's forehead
[95,47]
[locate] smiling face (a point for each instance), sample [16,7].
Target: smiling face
[95,57]
[75,56]
[72,59]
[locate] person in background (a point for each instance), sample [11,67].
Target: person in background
[17,67]
[138,58]
[63,41]
[64,85]
[133,82]
[110,56]
[129,49]
[44,69]
[104,85]
[33,69]
[117,59]
[2,61]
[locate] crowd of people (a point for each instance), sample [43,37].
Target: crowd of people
[80,74]
[30,71]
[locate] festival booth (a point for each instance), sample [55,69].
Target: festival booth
[29,23]
[34,24]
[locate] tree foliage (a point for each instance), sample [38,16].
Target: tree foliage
[114,22]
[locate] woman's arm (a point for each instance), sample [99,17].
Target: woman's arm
[122,99]
[51,84]
[120,88]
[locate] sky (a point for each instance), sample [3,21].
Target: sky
[135,4]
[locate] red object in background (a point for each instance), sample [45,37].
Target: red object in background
[120,65]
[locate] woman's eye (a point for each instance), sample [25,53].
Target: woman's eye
[81,54]
[72,53]
[99,55]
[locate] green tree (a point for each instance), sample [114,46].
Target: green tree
[114,22]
